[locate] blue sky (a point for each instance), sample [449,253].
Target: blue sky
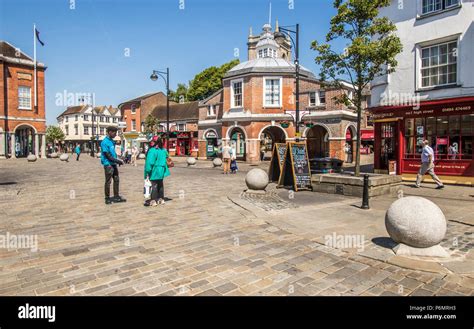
[85,47]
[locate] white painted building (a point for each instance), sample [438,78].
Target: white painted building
[81,123]
[431,94]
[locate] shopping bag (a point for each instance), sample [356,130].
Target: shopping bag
[147,189]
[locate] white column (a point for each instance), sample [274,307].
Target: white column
[12,145]
[37,145]
[43,146]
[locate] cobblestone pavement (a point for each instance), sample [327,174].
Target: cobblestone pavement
[199,243]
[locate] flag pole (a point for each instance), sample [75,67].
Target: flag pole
[34,55]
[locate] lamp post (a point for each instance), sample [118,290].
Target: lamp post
[166,76]
[288,32]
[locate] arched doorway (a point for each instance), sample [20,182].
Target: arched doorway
[211,143]
[268,138]
[317,140]
[237,140]
[24,143]
[349,145]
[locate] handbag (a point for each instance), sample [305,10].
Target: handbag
[169,163]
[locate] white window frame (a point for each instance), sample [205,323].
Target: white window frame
[76,130]
[23,101]
[443,8]
[85,117]
[280,98]
[181,126]
[420,46]
[86,130]
[133,124]
[232,83]
[211,110]
[67,118]
[133,109]
[315,98]
[319,98]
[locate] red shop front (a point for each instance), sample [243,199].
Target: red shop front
[447,124]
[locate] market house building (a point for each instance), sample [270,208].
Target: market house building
[432,96]
[258,105]
[183,124]
[22,124]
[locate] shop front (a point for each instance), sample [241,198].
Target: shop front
[211,144]
[183,143]
[448,125]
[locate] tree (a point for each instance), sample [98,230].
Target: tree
[151,124]
[181,93]
[208,81]
[54,134]
[370,52]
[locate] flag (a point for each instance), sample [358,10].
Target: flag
[38,38]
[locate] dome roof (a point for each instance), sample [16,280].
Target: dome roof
[267,65]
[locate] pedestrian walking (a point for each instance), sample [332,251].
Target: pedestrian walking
[233,161]
[110,161]
[134,155]
[156,169]
[77,150]
[226,150]
[262,151]
[427,166]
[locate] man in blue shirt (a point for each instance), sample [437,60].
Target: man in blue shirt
[109,160]
[427,166]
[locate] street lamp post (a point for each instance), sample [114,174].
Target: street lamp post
[154,76]
[295,41]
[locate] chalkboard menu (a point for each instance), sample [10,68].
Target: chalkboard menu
[296,171]
[276,164]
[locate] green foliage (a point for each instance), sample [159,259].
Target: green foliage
[54,133]
[181,93]
[151,124]
[371,50]
[208,81]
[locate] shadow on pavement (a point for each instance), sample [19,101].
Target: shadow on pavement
[384,242]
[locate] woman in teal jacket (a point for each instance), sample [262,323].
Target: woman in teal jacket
[156,169]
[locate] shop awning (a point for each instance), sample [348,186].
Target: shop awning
[367,135]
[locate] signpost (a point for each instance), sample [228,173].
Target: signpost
[296,171]
[276,164]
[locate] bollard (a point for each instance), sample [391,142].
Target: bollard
[365,193]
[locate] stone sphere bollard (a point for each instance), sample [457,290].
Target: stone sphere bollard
[416,222]
[64,157]
[217,162]
[257,179]
[97,155]
[54,155]
[31,158]
[191,161]
[141,156]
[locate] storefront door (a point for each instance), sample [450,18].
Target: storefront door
[389,144]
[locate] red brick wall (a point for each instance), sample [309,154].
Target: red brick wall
[13,82]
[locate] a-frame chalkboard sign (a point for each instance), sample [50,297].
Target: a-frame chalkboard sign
[276,164]
[296,172]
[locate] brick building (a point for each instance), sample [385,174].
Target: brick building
[134,113]
[256,106]
[183,123]
[22,124]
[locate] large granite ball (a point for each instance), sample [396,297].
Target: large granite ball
[191,161]
[97,155]
[142,156]
[257,179]
[217,162]
[31,158]
[54,155]
[64,157]
[416,222]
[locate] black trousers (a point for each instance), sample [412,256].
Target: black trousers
[77,158]
[111,172]
[157,190]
